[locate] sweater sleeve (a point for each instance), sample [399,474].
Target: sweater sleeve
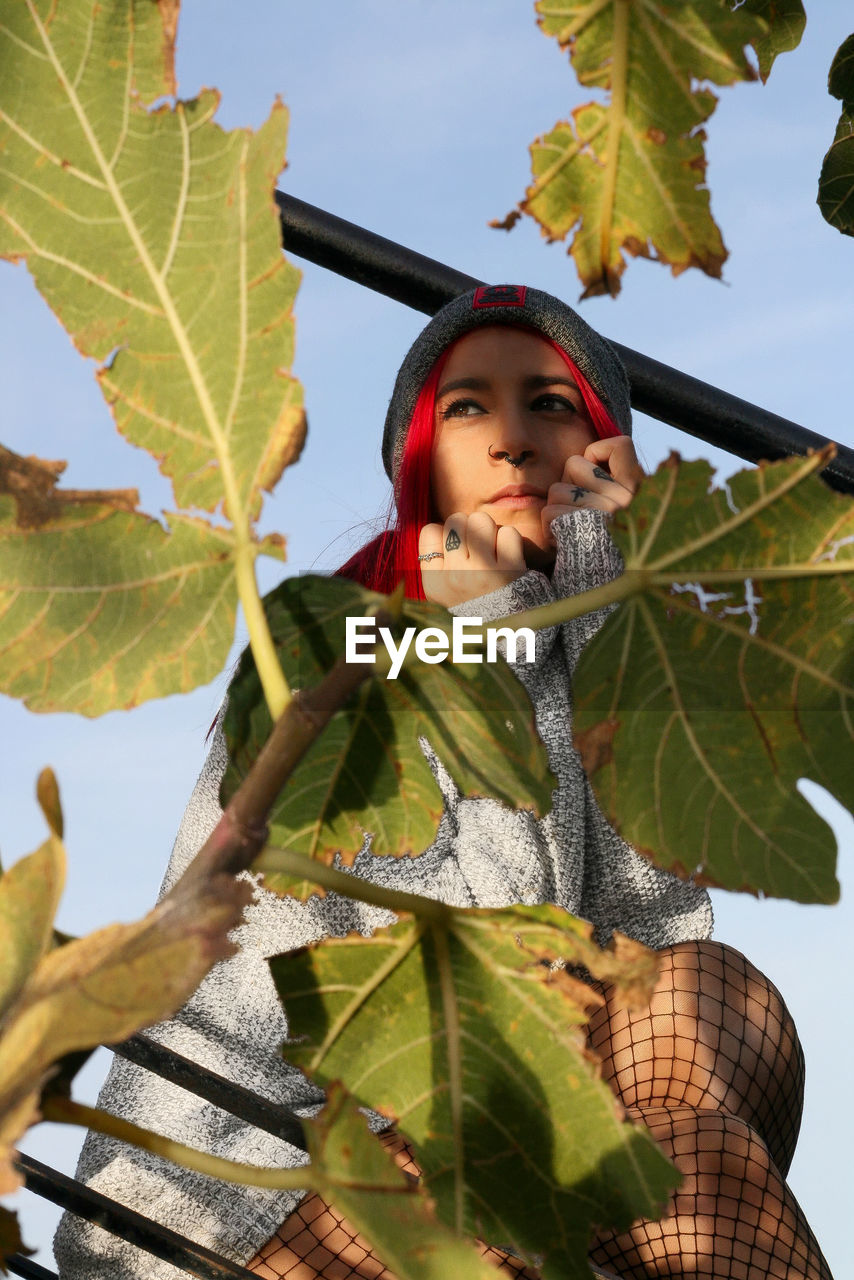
[622,889]
[234,1025]
[586,558]
[528,591]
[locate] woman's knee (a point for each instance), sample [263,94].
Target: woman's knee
[732,1205]
[716,1034]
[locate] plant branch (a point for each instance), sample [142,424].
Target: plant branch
[286,862]
[60,1110]
[241,833]
[761,573]
[638,581]
[277,693]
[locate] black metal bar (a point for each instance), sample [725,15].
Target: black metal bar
[369,259]
[21,1266]
[128,1224]
[131,1226]
[725,420]
[234,1098]
[697,407]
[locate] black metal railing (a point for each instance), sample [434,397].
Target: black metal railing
[135,1227]
[696,407]
[127,1223]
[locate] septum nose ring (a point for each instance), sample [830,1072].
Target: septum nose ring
[514,462]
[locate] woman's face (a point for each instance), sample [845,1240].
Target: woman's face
[505,391]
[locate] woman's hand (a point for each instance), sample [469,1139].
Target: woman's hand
[605,478]
[474,556]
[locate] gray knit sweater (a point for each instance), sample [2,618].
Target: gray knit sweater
[484,855]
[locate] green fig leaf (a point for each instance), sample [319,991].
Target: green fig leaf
[729,676]
[29,899]
[154,237]
[100,606]
[381,1202]
[836,181]
[10,1238]
[366,772]
[627,176]
[786,21]
[517,1138]
[100,988]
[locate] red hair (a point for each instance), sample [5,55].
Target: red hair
[393,554]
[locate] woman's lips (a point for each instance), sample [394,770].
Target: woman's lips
[518,495]
[519,500]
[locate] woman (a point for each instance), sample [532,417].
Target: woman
[507,442]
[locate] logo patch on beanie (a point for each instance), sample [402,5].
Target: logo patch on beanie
[499,295]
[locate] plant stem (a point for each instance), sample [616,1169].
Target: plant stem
[63,1111]
[277,693]
[286,862]
[630,583]
[455,1066]
[616,124]
[639,581]
[759,573]
[812,463]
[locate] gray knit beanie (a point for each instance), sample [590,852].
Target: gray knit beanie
[504,304]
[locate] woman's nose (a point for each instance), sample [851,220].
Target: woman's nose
[514,432]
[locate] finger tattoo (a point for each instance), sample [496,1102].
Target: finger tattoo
[602,475]
[453,541]
[578,492]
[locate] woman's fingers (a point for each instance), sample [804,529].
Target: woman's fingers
[583,473]
[431,559]
[454,537]
[461,540]
[572,498]
[606,482]
[604,478]
[509,549]
[430,543]
[616,459]
[470,556]
[477,532]
[582,488]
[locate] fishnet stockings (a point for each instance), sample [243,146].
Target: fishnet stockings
[714,1068]
[316,1241]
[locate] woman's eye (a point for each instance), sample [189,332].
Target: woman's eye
[461,409]
[552,401]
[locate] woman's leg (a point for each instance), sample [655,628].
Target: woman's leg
[316,1243]
[715,1069]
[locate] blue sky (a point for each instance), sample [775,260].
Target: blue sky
[414,121]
